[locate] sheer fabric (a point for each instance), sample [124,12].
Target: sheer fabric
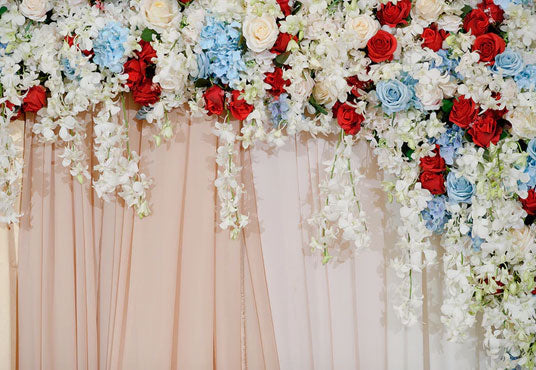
[101,289]
[340,316]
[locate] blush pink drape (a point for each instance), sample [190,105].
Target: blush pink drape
[341,316]
[100,289]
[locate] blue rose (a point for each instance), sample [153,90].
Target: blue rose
[509,63]
[394,96]
[108,47]
[526,79]
[436,215]
[459,189]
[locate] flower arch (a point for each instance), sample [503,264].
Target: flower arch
[444,92]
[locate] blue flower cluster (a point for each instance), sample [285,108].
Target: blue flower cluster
[397,96]
[279,109]
[530,167]
[504,4]
[68,70]
[449,142]
[510,64]
[436,215]
[222,56]
[108,47]
[447,64]
[459,189]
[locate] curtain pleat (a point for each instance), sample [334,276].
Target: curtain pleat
[100,288]
[340,316]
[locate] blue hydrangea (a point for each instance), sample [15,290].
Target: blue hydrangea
[394,95]
[530,167]
[222,56]
[436,215]
[108,47]
[68,70]
[449,142]
[509,63]
[526,79]
[279,110]
[447,64]
[504,4]
[459,189]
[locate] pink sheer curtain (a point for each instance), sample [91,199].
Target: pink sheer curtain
[101,289]
[340,316]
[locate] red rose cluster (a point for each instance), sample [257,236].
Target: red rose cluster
[432,175]
[140,70]
[215,101]
[483,128]
[479,21]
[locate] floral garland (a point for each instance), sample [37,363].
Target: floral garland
[444,91]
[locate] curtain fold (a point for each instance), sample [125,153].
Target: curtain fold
[100,288]
[340,316]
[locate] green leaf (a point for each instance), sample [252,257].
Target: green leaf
[147,34]
[504,134]
[3,10]
[281,59]
[466,10]
[446,106]
[407,151]
[202,82]
[318,108]
[297,7]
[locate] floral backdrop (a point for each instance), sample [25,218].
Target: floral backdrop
[444,92]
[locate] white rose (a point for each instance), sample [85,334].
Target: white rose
[173,76]
[325,92]
[260,32]
[430,95]
[429,10]
[35,9]
[523,122]
[159,13]
[362,28]
[301,88]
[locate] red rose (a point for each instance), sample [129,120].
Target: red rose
[394,14]
[349,120]
[281,43]
[285,8]
[485,130]
[35,99]
[146,93]
[381,46]
[276,80]
[477,22]
[147,52]
[488,46]
[493,11]
[214,100]
[357,85]
[238,106]
[433,38]
[433,164]
[135,68]
[529,203]
[464,112]
[434,182]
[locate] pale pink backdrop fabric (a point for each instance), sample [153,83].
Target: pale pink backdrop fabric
[101,289]
[340,317]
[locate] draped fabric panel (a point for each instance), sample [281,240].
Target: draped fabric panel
[341,316]
[100,288]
